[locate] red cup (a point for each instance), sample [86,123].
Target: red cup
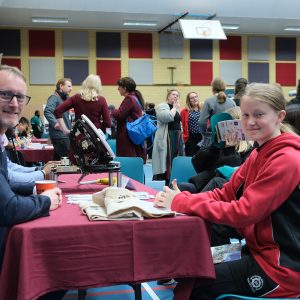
[44,185]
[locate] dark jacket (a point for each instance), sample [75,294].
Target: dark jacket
[16,206]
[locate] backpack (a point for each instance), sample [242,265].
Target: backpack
[141,129]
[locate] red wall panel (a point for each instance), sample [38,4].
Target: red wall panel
[15,62]
[286,74]
[140,45]
[41,43]
[231,48]
[109,71]
[201,73]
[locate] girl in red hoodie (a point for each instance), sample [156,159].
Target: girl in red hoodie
[261,201]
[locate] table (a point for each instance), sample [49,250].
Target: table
[66,251]
[41,140]
[37,155]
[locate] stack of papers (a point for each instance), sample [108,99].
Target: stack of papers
[87,198]
[116,203]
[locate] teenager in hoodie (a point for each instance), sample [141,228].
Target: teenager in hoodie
[261,201]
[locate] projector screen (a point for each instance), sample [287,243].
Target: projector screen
[202,29]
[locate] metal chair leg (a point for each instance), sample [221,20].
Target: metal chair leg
[81,294]
[137,287]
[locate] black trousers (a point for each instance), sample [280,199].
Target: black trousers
[241,277]
[57,295]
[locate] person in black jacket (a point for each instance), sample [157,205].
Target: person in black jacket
[295,100]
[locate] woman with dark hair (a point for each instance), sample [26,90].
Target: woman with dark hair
[131,108]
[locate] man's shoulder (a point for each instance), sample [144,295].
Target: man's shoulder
[54,98]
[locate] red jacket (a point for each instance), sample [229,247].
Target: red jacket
[184,114]
[267,213]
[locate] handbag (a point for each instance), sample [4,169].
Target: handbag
[141,129]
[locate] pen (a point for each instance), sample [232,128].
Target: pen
[99,180]
[90,181]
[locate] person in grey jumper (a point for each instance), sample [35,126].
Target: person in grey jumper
[216,104]
[60,141]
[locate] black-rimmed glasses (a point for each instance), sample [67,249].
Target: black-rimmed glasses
[8,96]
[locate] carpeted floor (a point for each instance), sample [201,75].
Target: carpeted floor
[150,291]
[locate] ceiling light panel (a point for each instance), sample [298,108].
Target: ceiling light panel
[140,23]
[50,20]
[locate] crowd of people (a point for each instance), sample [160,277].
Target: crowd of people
[251,201]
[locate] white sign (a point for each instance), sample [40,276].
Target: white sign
[202,29]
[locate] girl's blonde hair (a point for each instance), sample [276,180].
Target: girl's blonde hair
[272,95]
[91,88]
[218,86]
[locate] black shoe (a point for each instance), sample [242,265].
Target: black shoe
[166,281]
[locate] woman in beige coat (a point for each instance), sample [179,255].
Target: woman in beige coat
[168,142]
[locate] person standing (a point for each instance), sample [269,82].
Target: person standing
[239,89]
[37,124]
[17,203]
[130,109]
[213,105]
[88,102]
[168,142]
[190,116]
[60,141]
[261,200]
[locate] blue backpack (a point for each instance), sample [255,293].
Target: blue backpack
[141,129]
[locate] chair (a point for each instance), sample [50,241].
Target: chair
[155,184]
[113,145]
[239,297]
[182,168]
[132,167]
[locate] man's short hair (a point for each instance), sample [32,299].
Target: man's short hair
[13,70]
[62,81]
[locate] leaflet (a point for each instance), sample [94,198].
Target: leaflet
[230,127]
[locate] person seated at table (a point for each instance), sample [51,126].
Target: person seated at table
[21,174]
[22,128]
[261,201]
[88,102]
[17,204]
[37,124]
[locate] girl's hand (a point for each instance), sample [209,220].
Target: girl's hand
[165,198]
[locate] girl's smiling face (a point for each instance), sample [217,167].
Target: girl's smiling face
[260,121]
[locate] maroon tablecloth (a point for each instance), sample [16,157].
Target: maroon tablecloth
[42,141]
[37,155]
[67,251]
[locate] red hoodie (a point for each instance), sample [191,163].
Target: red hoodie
[267,213]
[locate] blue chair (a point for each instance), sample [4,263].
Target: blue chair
[238,297]
[113,145]
[182,168]
[132,167]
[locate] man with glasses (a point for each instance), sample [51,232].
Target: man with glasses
[60,141]
[17,204]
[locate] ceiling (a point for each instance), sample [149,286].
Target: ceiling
[268,17]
